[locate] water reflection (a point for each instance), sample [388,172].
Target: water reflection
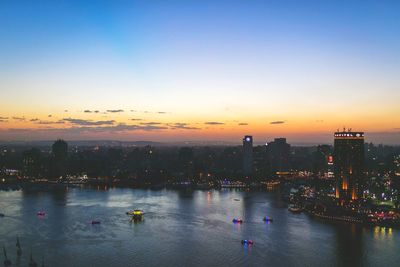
[182,228]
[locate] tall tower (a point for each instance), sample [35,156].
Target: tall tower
[348,165]
[278,153]
[248,155]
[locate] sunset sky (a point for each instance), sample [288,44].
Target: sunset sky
[199,70]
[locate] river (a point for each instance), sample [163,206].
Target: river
[182,229]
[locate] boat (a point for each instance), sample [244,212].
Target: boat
[295,209]
[267,219]
[135,212]
[247,242]
[95,222]
[236,199]
[2,215]
[137,215]
[41,213]
[237,220]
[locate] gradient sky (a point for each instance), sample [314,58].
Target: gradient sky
[199,70]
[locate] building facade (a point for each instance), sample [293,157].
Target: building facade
[278,153]
[248,155]
[349,165]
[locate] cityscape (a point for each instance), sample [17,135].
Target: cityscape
[199,133]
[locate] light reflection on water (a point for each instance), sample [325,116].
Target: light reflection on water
[182,229]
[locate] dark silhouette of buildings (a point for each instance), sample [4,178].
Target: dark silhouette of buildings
[248,155]
[278,153]
[59,162]
[349,165]
[323,161]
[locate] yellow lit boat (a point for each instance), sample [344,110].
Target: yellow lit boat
[135,213]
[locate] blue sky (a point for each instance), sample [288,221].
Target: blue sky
[250,61]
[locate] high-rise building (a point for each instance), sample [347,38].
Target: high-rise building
[323,161]
[248,155]
[278,153]
[349,165]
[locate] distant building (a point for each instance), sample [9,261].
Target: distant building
[349,165]
[323,161]
[278,153]
[248,155]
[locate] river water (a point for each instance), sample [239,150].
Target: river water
[182,229]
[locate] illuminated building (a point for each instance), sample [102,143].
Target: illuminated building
[248,155]
[323,161]
[348,165]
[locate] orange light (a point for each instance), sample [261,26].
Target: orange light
[353,194]
[344,184]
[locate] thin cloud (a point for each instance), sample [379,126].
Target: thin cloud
[19,118]
[50,116]
[88,122]
[182,126]
[90,111]
[33,120]
[87,130]
[3,119]
[214,123]
[150,123]
[161,112]
[277,122]
[243,123]
[49,122]
[114,110]
[136,119]
[123,127]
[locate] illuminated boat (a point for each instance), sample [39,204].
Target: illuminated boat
[295,209]
[247,242]
[237,220]
[135,213]
[267,219]
[41,213]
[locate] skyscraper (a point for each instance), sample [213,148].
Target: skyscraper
[278,153]
[248,155]
[348,165]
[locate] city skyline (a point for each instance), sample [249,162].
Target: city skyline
[192,71]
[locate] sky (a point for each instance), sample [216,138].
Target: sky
[199,70]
